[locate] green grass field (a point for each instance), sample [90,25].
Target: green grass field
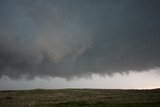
[80,98]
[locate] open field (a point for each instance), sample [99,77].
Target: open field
[80,97]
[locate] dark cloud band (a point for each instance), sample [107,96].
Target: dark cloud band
[76,37]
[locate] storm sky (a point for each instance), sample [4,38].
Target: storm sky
[70,39]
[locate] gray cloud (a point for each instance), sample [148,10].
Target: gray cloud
[66,38]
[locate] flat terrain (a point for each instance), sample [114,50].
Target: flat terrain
[80,97]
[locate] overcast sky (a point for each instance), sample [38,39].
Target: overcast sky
[75,42]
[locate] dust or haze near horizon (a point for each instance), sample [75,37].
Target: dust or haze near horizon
[78,38]
[133,80]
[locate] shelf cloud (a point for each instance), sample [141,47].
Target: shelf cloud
[67,38]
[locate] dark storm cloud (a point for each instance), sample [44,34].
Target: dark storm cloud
[68,38]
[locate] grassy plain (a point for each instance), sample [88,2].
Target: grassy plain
[80,98]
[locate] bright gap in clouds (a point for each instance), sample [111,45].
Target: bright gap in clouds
[133,80]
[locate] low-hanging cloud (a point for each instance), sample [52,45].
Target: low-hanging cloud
[66,38]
